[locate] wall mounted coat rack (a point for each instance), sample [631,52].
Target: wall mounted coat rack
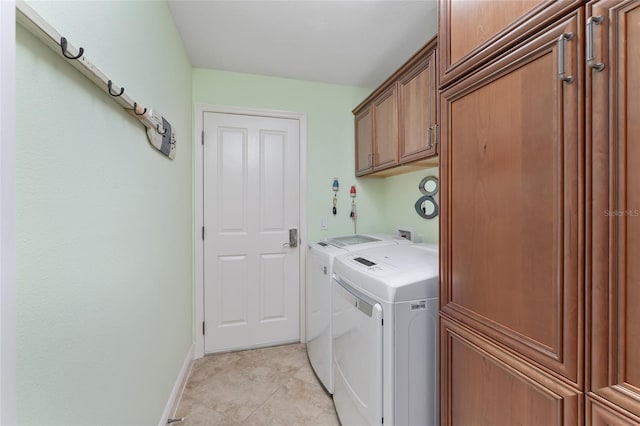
[159,131]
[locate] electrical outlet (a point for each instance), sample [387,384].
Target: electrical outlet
[324,224]
[405,233]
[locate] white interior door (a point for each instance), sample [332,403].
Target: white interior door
[251,182]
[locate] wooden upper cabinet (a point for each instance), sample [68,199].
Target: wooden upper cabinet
[613,136]
[512,205]
[471,32]
[385,130]
[377,134]
[364,141]
[418,124]
[402,114]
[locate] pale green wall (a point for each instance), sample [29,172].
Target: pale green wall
[399,197]
[382,204]
[104,222]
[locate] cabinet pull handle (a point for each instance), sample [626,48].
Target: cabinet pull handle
[561,73]
[590,56]
[435,134]
[429,134]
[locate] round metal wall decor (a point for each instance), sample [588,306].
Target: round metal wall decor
[429,185]
[426,207]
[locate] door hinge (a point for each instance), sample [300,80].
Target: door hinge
[203,328]
[203,233]
[383,420]
[382,321]
[202,139]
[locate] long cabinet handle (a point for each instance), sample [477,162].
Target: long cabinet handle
[593,20]
[435,134]
[429,140]
[561,73]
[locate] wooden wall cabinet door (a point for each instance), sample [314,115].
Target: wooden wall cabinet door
[472,32]
[417,136]
[487,386]
[377,134]
[364,141]
[613,138]
[512,204]
[385,130]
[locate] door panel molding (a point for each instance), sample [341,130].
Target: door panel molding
[614,246]
[457,58]
[199,111]
[470,364]
[600,412]
[477,189]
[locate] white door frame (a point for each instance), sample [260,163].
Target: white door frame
[8,415]
[199,110]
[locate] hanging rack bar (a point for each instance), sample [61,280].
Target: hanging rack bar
[157,126]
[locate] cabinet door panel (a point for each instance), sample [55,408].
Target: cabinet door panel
[601,413]
[472,31]
[614,139]
[364,141]
[512,207]
[418,112]
[483,385]
[385,134]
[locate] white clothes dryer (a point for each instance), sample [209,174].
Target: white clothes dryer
[385,336]
[318,295]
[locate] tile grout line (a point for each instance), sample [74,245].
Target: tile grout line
[270,395]
[267,399]
[283,382]
[281,386]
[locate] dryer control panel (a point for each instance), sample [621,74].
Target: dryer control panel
[364,261]
[369,264]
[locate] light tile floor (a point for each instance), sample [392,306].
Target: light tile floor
[268,386]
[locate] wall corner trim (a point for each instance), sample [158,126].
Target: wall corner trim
[176,393]
[8,286]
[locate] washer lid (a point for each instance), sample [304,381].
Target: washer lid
[362,241]
[323,248]
[349,240]
[393,273]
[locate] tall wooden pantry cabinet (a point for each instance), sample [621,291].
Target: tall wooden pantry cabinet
[613,138]
[540,212]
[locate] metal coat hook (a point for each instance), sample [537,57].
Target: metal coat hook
[135,109]
[162,137]
[115,95]
[158,130]
[63,46]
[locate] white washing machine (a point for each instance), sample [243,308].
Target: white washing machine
[385,336]
[318,296]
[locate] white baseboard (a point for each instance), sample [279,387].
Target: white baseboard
[178,387]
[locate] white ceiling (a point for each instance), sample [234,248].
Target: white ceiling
[355,43]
